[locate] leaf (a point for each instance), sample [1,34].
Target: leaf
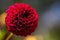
[3,33]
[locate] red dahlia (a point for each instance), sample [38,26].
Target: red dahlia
[21,19]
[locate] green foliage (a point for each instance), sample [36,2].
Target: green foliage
[17,1]
[15,37]
[55,33]
[3,33]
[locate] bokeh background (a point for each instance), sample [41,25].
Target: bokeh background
[48,24]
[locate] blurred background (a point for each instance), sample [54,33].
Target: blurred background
[48,24]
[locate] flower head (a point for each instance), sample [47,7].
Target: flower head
[21,19]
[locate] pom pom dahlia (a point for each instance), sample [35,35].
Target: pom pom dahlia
[21,19]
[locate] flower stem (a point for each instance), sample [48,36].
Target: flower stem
[10,35]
